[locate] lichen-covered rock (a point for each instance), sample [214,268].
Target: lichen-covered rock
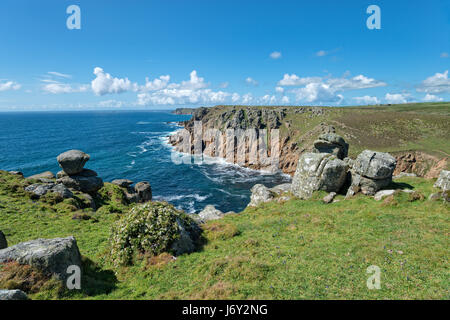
[318,171]
[43,175]
[383,193]
[144,191]
[281,188]
[72,161]
[331,143]
[48,255]
[12,295]
[210,213]
[63,191]
[443,181]
[152,228]
[38,190]
[3,242]
[260,194]
[371,171]
[123,183]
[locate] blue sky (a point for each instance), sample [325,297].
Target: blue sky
[203,53]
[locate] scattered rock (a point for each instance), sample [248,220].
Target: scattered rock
[372,171]
[333,144]
[72,161]
[144,191]
[443,181]
[44,175]
[124,183]
[210,213]
[260,194]
[383,193]
[38,190]
[13,295]
[18,173]
[186,241]
[329,197]
[318,171]
[3,242]
[281,188]
[48,255]
[435,196]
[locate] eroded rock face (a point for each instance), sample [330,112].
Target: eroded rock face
[72,161]
[331,143]
[12,295]
[3,242]
[144,191]
[443,181]
[371,171]
[260,194]
[210,213]
[48,255]
[318,171]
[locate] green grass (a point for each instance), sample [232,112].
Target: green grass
[295,250]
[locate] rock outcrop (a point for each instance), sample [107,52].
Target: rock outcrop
[74,176]
[13,295]
[72,161]
[443,181]
[318,171]
[331,143]
[371,171]
[43,175]
[260,194]
[123,183]
[3,242]
[143,191]
[210,213]
[52,256]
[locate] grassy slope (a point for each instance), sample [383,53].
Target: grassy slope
[299,249]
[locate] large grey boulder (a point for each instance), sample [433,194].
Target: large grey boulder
[443,181]
[63,191]
[318,171]
[372,171]
[90,184]
[38,190]
[72,161]
[48,255]
[331,143]
[3,242]
[260,194]
[12,295]
[44,175]
[188,236]
[143,191]
[210,213]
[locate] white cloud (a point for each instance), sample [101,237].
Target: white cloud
[268,99]
[58,74]
[279,89]
[57,87]
[444,55]
[251,81]
[438,83]
[156,84]
[285,99]
[321,53]
[397,98]
[367,100]
[432,98]
[275,55]
[247,98]
[318,89]
[104,83]
[111,103]
[9,85]
[224,85]
[235,97]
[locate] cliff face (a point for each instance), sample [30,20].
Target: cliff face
[417,138]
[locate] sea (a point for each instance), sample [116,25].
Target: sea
[127,144]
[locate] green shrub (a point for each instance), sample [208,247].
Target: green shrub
[150,228]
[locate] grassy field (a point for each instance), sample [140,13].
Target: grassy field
[292,250]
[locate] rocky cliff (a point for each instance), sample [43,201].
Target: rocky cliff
[386,129]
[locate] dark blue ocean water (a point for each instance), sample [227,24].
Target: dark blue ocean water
[125,144]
